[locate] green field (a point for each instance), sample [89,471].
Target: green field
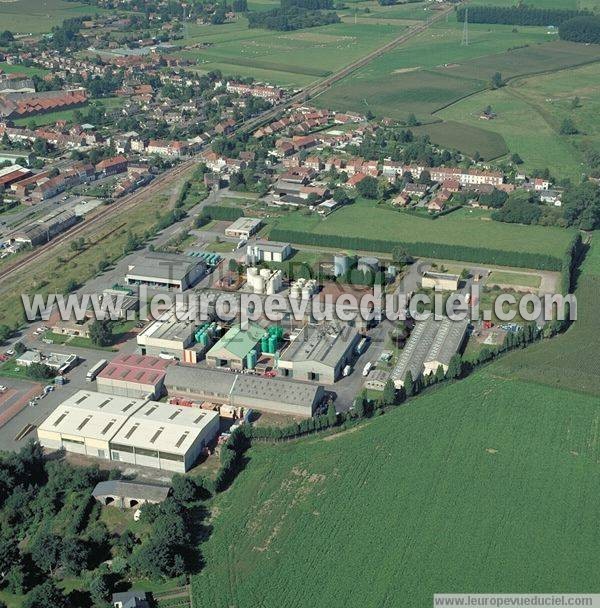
[22,69]
[292,59]
[529,114]
[467,138]
[442,495]
[390,85]
[471,228]
[39,16]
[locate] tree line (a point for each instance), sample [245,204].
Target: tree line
[442,251]
[581,29]
[520,14]
[293,18]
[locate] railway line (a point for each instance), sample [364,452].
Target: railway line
[173,174]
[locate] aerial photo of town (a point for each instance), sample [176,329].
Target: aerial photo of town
[296,303]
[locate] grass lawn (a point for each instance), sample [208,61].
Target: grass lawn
[514,278]
[220,247]
[435,495]
[36,17]
[472,228]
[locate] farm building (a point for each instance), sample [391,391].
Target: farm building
[243,227]
[86,422]
[318,353]
[133,376]
[266,251]
[129,494]
[233,348]
[249,391]
[165,271]
[431,344]
[441,280]
[164,436]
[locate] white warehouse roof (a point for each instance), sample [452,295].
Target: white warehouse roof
[164,427]
[92,415]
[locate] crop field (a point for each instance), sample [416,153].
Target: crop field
[467,138]
[39,16]
[571,360]
[464,227]
[443,494]
[292,59]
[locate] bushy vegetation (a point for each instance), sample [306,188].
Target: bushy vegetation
[520,14]
[52,529]
[217,212]
[422,249]
[293,18]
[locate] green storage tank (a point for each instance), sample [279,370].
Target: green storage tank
[251,359]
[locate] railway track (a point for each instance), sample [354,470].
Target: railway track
[173,174]
[100,218]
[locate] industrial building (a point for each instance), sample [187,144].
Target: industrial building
[41,231]
[243,227]
[133,376]
[249,391]
[86,422]
[135,431]
[318,353]
[440,280]
[267,251]
[169,335]
[164,436]
[165,271]
[431,344]
[232,350]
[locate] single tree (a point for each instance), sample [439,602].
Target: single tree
[101,332]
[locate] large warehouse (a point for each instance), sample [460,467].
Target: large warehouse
[165,436]
[86,422]
[245,390]
[431,344]
[136,431]
[133,376]
[232,349]
[165,271]
[319,353]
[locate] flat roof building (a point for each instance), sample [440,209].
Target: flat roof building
[319,353]
[164,436]
[233,348]
[444,281]
[86,422]
[431,344]
[131,375]
[243,227]
[165,271]
[249,391]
